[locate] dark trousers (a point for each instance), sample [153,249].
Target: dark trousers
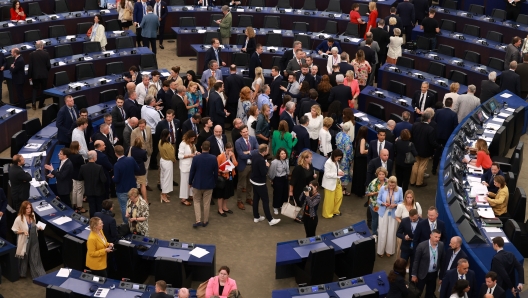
[99,272]
[430,282]
[403,174]
[139,38]
[66,200]
[19,88]
[231,107]
[260,192]
[512,12]
[161,32]
[438,153]
[408,32]
[150,42]
[95,203]
[313,145]
[39,84]
[280,191]
[310,224]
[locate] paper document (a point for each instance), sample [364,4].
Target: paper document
[355,39]
[240,10]
[118,32]
[41,225]
[337,15]
[471,179]
[62,220]
[277,31]
[101,292]
[10,25]
[366,119]
[505,115]
[486,212]
[481,199]
[490,131]
[105,10]
[478,189]
[492,126]
[32,146]
[498,120]
[70,36]
[510,110]
[492,230]
[56,16]
[379,126]
[108,52]
[506,95]
[474,167]
[87,58]
[505,239]
[64,272]
[145,72]
[198,252]
[165,74]
[359,114]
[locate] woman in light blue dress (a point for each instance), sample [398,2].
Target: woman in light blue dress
[344,143]
[194,99]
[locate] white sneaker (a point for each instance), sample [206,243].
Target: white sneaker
[259,219]
[274,221]
[375,238]
[275,211]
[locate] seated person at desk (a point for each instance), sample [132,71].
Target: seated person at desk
[499,201]
[327,45]
[488,177]
[483,158]
[220,285]
[17,12]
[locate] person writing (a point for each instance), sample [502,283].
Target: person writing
[98,248]
[483,157]
[499,201]
[220,285]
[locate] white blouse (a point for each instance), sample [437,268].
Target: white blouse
[402,212]
[332,61]
[250,121]
[314,126]
[325,142]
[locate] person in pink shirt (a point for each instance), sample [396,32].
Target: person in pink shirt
[354,86]
[220,285]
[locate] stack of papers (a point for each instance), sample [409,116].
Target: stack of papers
[10,25]
[505,115]
[64,272]
[88,58]
[478,189]
[510,110]
[56,16]
[506,95]
[198,252]
[201,31]
[277,31]
[62,220]
[380,126]
[498,120]
[118,32]
[105,80]
[41,225]
[492,230]
[75,85]
[240,10]
[37,184]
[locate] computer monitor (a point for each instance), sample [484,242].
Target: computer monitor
[459,212]
[491,105]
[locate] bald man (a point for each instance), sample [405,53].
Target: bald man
[183,293]
[381,161]
[452,255]
[218,141]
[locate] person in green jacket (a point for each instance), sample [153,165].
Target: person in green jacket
[225,25]
[282,138]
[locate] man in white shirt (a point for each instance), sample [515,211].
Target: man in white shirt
[78,135]
[149,113]
[142,89]
[264,98]
[490,287]
[111,136]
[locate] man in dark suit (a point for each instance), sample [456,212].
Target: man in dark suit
[422,99]
[424,228]
[66,117]
[127,133]
[149,25]
[376,146]
[161,285]
[336,70]
[218,141]
[491,287]
[403,124]
[102,135]
[428,258]
[94,178]
[407,14]
[423,135]
[63,175]
[370,54]
[306,105]
[124,178]
[522,71]
[109,222]
[381,36]
[19,180]
[389,132]
[131,105]
[232,86]
[513,9]
[119,119]
[448,120]
[488,88]
[38,71]
[505,264]
[202,178]
[317,78]
[304,75]
[179,104]
[102,160]
[160,10]
[140,10]
[461,271]
[393,14]
[217,110]
[326,45]
[513,52]
[192,124]
[340,92]
[287,115]
[18,76]
[288,55]
[344,65]
[406,233]
[302,135]
[213,53]
[510,80]
[452,255]
[254,61]
[421,9]
[275,95]
[489,176]
[382,161]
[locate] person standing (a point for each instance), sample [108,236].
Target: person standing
[403,146]
[491,287]
[109,222]
[140,10]
[397,284]
[513,9]
[425,227]
[332,185]
[38,72]
[94,178]
[63,175]
[160,10]
[124,177]
[233,84]
[140,156]
[79,136]
[127,133]
[202,178]
[28,251]
[19,180]
[513,52]
[461,271]
[430,27]
[225,25]
[505,264]
[302,174]
[97,248]
[452,256]
[260,190]
[228,190]
[18,77]
[279,171]
[522,71]
[510,80]
[388,199]
[428,259]
[311,198]
[423,137]
[137,212]
[186,153]
[78,186]
[150,24]
[382,37]
[66,116]
[144,132]
[405,10]
[406,233]
[98,32]
[167,160]
[466,103]
[120,121]
[246,146]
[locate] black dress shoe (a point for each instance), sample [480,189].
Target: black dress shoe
[174,183]
[162,47]
[222,214]
[229,211]
[159,187]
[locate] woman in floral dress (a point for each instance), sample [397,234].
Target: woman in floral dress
[344,143]
[362,69]
[372,193]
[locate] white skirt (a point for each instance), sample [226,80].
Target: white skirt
[166,175]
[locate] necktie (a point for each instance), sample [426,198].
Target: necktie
[216,55]
[432,226]
[220,145]
[110,136]
[380,147]
[491,180]
[301,79]
[171,132]
[248,145]
[288,89]
[461,276]
[144,9]
[421,100]
[144,135]
[194,128]
[299,61]
[72,114]
[489,291]
[122,113]
[158,9]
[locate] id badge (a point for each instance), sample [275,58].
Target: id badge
[390,213]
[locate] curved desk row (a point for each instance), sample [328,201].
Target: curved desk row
[489,5]
[10,124]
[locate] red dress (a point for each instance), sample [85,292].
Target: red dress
[373,16]
[15,16]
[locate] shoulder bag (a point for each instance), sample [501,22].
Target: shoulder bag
[127,14]
[200,291]
[409,157]
[290,210]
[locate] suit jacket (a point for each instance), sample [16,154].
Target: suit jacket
[333,77]
[487,177]
[293,65]
[150,25]
[241,147]
[306,106]
[94,178]
[406,12]
[451,277]
[204,171]
[124,174]
[140,156]
[286,57]
[342,93]
[344,67]
[421,9]
[401,126]
[163,10]
[309,78]
[512,54]
[147,144]
[389,136]
[286,117]
[163,124]
[17,71]
[423,136]
[232,86]
[39,65]
[420,266]
[109,150]
[323,46]
[254,62]
[317,80]
[303,138]
[64,123]
[207,74]
[511,81]
[373,150]
[181,109]
[449,120]
[109,226]
[19,184]
[215,150]
[381,36]
[375,47]
[373,165]
[213,287]
[187,125]
[127,136]
[423,232]
[3,62]
[276,92]
[447,257]
[488,89]
[118,122]
[251,46]
[429,100]
[498,292]
[370,55]
[225,25]
[64,177]
[132,109]
[138,13]
[216,109]
[505,264]
[404,229]
[210,55]
[522,71]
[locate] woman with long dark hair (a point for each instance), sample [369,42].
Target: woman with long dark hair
[17,12]
[311,199]
[360,162]
[190,77]
[98,32]
[402,146]
[397,285]
[460,289]
[324,92]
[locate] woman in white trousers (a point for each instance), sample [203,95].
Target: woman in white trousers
[186,152]
[388,199]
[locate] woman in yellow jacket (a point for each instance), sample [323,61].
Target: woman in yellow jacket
[499,201]
[98,247]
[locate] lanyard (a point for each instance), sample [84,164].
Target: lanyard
[391,196]
[433,252]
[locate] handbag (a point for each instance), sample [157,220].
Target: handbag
[290,210]
[127,15]
[200,291]
[220,182]
[89,33]
[409,157]
[123,230]
[414,291]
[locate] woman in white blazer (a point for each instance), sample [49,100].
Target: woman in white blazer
[333,59]
[395,47]
[333,193]
[186,152]
[98,32]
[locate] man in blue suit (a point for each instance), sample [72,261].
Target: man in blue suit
[202,178]
[403,124]
[150,24]
[140,10]
[124,178]
[287,115]
[218,141]
[407,15]
[488,177]
[452,255]
[245,146]
[160,10]
[424,228]
[213,71]
[213,53]
[302,135]
[462,271]
[217,110]
[406,233]
[325,46]
[65,118]
[63,174]
[448,121]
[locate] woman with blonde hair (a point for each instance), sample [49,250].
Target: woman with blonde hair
[388,199]
[354,87]
[325,139]
[137,212]
[250,45]
[140,156]
[315,124]
[97,248]
[395,46]
[409,202]
[152,91]
[244,103]
[258,82]
[186,152]
[25,227]
[223,194]
[194,99]
[333,59]
[453,94]
[372,19]
[362,69]
[252,120]
[262,131]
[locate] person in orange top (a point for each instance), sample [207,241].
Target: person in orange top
[483,157]
[373,16]
[228,190]
[355,17]
[17,12]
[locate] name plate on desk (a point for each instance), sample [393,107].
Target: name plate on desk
[90,277]
[312,289]
[132,286]
[144,239]
[58,204]
[310,240]
[343,232]
[351,282]
[177,244]
[79,218]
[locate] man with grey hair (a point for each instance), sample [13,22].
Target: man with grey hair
[225,25]
[183,293]
[127,132]
[108,148]
[38,72]
[94,178]
[287,115]
[213,71]
[18,76]
[288,55]
[150,25]
[294,65]
[406,116]
[149,113]
[488,88]
[142,89]
[344,65]
[264,99]
[374,45]
[340,92]
[510,80]
[389,132]
[466,103]
[423,136]
[522,71]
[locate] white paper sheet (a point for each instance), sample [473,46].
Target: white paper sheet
[41,225]
[44,207]
[492,230]
[198,252]
[355,39]
[62,220]
[359,114]
[64,272]
[505,115]
[492,126]
[109,52]
[10,25]
[486,212]
[165,74]
[478,189]
[70,36]
[88,58]
[510,110]
[506,95]
[105,10]
[32,146]
[118,32]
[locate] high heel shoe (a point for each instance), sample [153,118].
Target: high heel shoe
[162,200]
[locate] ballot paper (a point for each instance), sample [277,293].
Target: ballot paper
[62,220]
[478,189]
[492,230]
[41,225]
[101,292]
[486,212]
[355,39]
[505,115]
[118,32]
[64,272]
[165,74]
[198,252]
[36,183]
[32,146]
[359,114]
[506,95]
[510,110]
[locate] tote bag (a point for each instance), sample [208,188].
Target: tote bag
[290,210]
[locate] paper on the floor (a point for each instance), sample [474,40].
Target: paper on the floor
[506,95]
[492,230]
[64,272]
[198,252]
[486,212]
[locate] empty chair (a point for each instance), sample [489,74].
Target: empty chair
[273,40]
[448,25]
[363,9]
[458,76]
[245,20]
[18,140]
[187,22]
[513,233]
[283,4]
[300,26]
[81,102]
[446,50]
[471,30]
[240,59]
[172,271]
[60,78]
[351,30]
[177,2]
[304,39]
[397,87]
[405,62]
[496,63]
[208,37]
[112,25]
[241,39]
[476,9]
[423,43]
[84,71]
[437,69]
[32,126]
[32,35]
[376,110]
[5,13]
[213,19]
[108,95]
[57,31]
[522,19]
[309,5]
[511,164]
[450,4]
[334,6]
[124,42]
[257,3]
[63,50]
[115,68]
[91,5]
[330,27]
[396,118]
[148,62]
[49,114]
[272,22]
[494,36]
[34,9]
[82,28]
[498,14]
[516,206]
[128,263]
[61,6]
[275,61]
[318,267]
[472,56]
[519,125]
[91,47]
[5,39]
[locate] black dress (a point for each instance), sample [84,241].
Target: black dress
[300,178]
[359,171]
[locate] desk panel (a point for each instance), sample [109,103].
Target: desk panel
[389,100]
[10,126]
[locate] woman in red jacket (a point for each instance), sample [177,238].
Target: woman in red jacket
[220,285]
[373,16]
[17,12]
